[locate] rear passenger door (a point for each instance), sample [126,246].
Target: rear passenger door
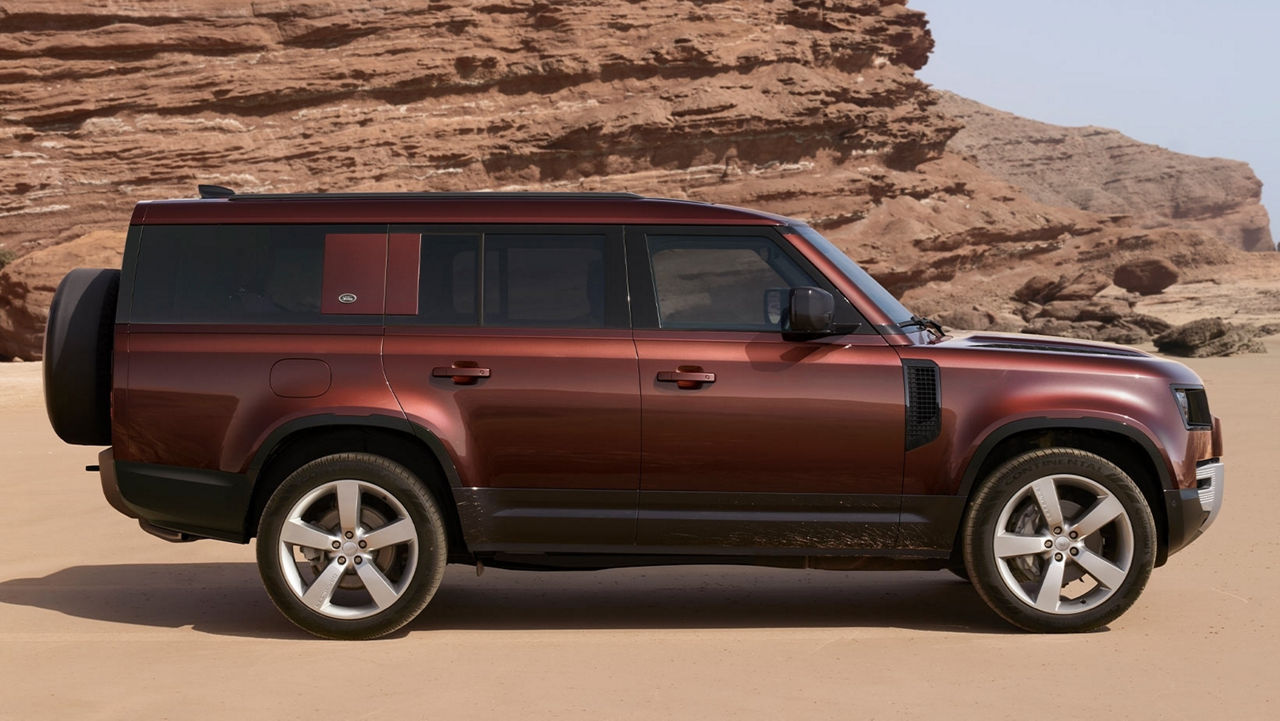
[518,357]
[754,440]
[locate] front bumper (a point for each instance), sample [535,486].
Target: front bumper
[1192,510]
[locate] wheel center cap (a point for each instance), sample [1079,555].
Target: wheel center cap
[350,549]
[1062,543]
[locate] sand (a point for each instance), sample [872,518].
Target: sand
[99,620]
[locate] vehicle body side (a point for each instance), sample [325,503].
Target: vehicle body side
[200,458]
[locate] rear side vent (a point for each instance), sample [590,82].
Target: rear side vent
[924,402]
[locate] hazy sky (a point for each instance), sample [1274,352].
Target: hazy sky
[1194,76]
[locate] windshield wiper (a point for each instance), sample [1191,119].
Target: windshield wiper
[918,321]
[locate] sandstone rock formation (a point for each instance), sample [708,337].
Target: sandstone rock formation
[1209,337]
[1107,172]
[27,286]
[809,108]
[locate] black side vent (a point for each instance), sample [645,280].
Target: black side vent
[924,402]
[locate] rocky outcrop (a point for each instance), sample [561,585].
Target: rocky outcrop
[1107,172]
[805,108]
[1209,337]
[27,286]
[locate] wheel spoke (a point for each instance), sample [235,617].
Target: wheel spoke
[322,589]
[1046,493]
[1011,544]
[1050,593]
[300,533]
[348,505]
[379,587]
[1103,512]
[1107,573]
[401,531]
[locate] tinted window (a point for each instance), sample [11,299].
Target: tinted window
[544,280]
[448,280]
[722,283]
[230,274]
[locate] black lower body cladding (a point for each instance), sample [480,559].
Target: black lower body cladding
[77,356]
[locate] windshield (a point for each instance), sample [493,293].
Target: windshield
[861,278]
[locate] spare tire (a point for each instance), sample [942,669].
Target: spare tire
[77,356]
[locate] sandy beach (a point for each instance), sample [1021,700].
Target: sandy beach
[99,620]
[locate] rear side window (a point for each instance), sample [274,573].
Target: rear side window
[571,277]
[233,273]
[538,280]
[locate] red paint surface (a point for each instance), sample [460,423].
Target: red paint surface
[354,264]
[403,266]
[560,409]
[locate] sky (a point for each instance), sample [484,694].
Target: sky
[1194,76]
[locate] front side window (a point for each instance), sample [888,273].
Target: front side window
[722,282]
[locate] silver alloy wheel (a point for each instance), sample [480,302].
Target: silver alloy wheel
[1063,544]
[348,549]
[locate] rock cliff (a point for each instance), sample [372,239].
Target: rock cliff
[1107,172]
[808,108]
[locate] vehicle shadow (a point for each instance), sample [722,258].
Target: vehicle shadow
[228,599]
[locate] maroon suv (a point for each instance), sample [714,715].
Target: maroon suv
[375,385]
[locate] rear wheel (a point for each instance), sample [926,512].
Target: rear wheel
[1059,540]
[351,546]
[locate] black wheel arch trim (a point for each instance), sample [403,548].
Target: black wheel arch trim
[376,420]
[994,438]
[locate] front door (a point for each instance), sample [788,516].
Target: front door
[518,357]
[754,441]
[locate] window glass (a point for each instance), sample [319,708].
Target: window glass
[722,283]
[229,274]
[544,280]
[448,280]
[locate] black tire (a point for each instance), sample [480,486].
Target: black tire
[1029,572]
[415,565]
[77,356]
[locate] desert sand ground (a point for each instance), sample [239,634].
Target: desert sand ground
[98,620]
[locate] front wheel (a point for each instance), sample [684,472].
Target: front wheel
[351,546]
[1059,540]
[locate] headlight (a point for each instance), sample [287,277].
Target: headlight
[1193,405]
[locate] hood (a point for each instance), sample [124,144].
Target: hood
[1042,343]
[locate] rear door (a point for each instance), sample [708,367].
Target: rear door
[754,441]
[518,356]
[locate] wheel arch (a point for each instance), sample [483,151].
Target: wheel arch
[302,440]
[1124,445]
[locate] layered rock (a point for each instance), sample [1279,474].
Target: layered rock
[783,104]
[1107,172]
[27,286]
[808,108]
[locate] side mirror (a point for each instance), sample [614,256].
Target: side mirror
[811,310]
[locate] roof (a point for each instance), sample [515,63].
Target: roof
[479,207]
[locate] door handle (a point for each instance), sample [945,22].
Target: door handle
[461,375]
[688,377]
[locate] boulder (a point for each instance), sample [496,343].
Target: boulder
[1039,289]
[1208,337]
[1147,276]
[1083,287]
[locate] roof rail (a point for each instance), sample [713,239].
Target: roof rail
[214,191]
[433,195]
